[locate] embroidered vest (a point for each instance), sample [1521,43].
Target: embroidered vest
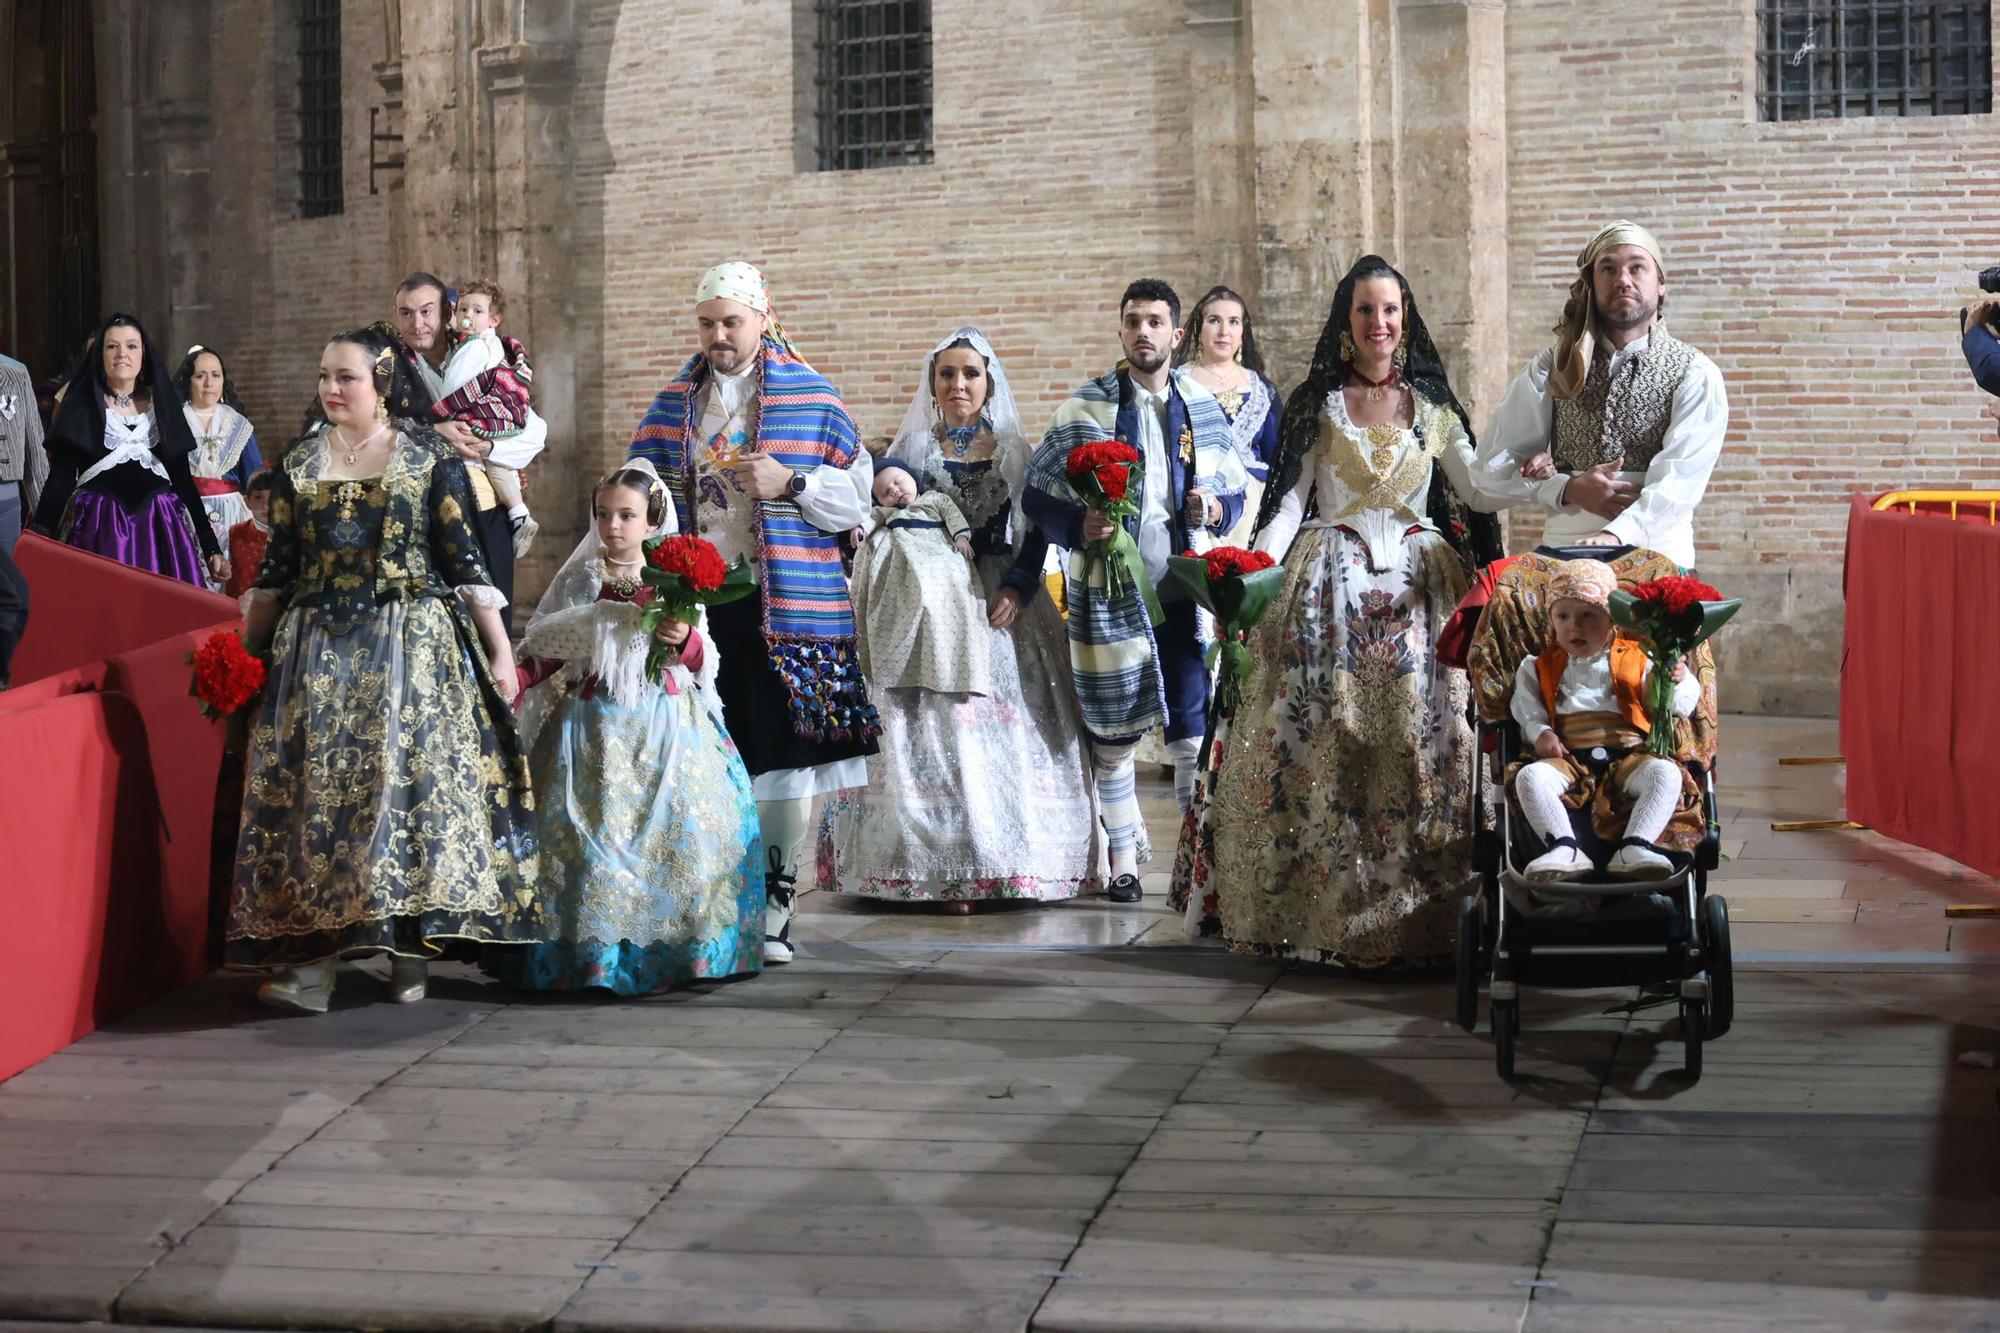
[1628,680]
[1623,416]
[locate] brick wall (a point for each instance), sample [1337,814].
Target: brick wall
[283,283]
[1030,223]
[1822,265]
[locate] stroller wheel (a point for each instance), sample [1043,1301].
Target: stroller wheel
[1694,1019]
[1506,1027]
[1469,950]
[1721,973]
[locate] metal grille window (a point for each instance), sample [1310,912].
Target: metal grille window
[319,108]
[1821,59]
[874,83]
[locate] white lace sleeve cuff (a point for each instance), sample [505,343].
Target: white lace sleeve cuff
[480,594]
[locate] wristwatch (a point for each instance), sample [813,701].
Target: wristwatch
[798,486]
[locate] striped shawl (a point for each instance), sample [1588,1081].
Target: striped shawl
[1113,654]
[808,619]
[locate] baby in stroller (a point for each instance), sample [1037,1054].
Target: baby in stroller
[1580,705]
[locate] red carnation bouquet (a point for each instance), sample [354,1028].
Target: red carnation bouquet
[1237,587]
[227,675]
[1670,617]
[1106,476]
[685,574]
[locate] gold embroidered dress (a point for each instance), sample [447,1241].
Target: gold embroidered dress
[385,800]
[1336,828]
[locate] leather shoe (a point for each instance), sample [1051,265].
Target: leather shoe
[1125,889]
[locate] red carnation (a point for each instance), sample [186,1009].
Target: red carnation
[1104,453]
[696,561]
[226,675]
[1112,480]
[1226,562]
[1676,592]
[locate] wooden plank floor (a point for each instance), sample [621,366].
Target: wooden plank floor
[1057,1120]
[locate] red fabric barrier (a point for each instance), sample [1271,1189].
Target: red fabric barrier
[1919,711]
[76,680]
[80,876]
[83,607]
[186,758]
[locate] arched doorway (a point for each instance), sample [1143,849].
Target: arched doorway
[48,181]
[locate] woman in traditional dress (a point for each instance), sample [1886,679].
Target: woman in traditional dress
[652,869]
[1332,821]
[385,798]
[1219,348]
[225,447]
[119,452]
[976,798]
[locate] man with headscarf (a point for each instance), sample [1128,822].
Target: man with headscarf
[766,465]
[1131,675]
[1616,428]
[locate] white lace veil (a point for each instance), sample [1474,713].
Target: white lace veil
[575,584]
[571,625]
[917,438]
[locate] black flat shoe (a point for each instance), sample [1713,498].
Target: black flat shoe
[1125,889]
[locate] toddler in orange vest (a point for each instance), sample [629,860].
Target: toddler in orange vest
[1580,704]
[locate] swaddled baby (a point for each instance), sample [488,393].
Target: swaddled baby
[916,600]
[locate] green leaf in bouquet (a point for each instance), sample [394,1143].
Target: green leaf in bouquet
[1689,631]
[1242,601]
[1191,572]
[738,583]
[1237,603]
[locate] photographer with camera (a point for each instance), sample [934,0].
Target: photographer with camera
[1979,336]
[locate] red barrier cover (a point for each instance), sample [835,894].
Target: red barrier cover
[109,838]
[83,607]
[1919,691]
[82,873]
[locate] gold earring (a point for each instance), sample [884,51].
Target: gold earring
[1346,345]
[1238,358]
[1402,357]
[381,409]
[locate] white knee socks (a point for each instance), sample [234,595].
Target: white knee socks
[1655,789]
[1539,787]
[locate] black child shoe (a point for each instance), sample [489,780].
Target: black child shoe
[1125,889]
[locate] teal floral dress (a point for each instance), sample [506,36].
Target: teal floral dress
[651,863]
[386,803]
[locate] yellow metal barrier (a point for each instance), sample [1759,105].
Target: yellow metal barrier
[1911,499]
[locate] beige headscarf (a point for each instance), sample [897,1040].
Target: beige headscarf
[1590,581]
[744,284]
[1576,336]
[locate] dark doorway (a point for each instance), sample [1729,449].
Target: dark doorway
[48,181]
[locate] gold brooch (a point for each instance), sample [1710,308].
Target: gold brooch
[1187,444]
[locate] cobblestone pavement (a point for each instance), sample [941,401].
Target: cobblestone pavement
[1060,1119]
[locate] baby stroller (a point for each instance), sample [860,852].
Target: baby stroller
[1597,930]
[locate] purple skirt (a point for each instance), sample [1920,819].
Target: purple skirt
[157,538]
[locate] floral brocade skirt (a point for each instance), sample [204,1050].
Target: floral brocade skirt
[652,867]
[975,796]
[1332,821]
[385,799]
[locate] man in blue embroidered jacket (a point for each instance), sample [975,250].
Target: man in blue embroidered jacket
[1131,677]
[767,466]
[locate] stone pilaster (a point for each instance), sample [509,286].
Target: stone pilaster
[1221,107]
[1312,69]
[1452,67]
